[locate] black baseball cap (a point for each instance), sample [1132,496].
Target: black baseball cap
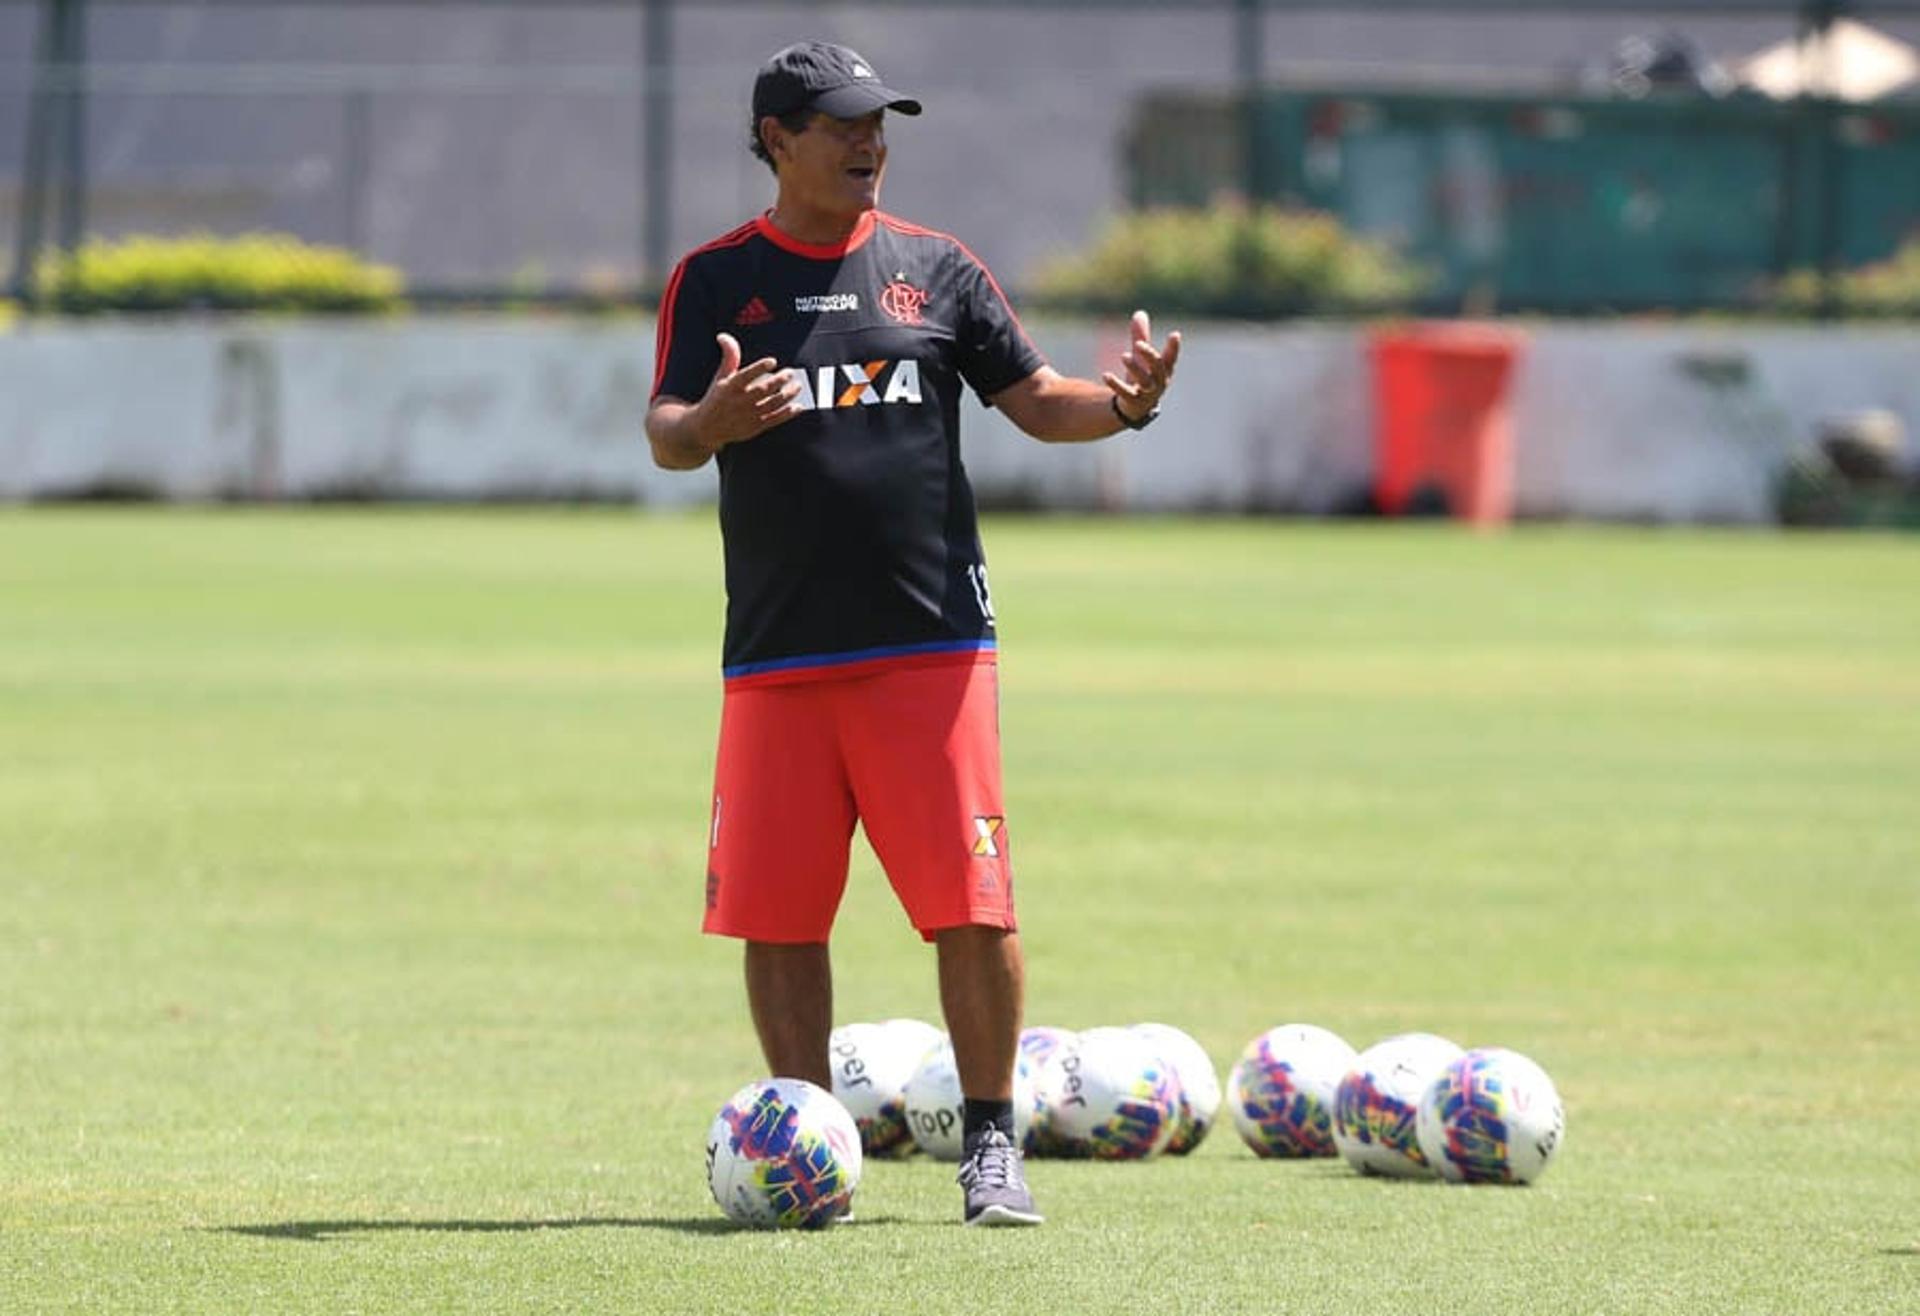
[818,75]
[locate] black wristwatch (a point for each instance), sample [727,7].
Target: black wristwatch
[1129,421]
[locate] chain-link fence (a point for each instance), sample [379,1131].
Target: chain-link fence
[533,150]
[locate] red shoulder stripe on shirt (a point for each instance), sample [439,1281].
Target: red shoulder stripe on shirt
[731,238]
[909,227]
[663,331]
[899,225]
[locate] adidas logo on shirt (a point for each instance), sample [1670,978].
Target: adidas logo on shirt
[754,312]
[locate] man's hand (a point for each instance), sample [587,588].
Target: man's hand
[743,402]
[1149,370]
[1057,408]
[740,403]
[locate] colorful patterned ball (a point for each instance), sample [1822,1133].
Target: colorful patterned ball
[936,1106]
[1199,1084]
[1111,1097]
[1376,1109]
[1038,1042]
[783,1154]
[871,1065]
[1281,1090]
[1492,1116]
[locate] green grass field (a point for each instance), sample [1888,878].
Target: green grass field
[350,867]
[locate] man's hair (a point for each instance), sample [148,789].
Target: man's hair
[793,121]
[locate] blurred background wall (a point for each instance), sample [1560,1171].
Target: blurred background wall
[1670,210]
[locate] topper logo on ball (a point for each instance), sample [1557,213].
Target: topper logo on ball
[1075,1085]
[852,1068]
[935,1123]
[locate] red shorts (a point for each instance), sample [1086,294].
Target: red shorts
[911,752]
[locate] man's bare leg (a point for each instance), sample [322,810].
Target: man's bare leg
[982,991]
[983,983]
[790,992]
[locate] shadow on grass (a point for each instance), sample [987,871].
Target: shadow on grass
[321,1231]
[1329,1170]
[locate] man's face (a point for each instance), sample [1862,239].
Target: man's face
[833,164]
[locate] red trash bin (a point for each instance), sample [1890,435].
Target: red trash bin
[1443,420]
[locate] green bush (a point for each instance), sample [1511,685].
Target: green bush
[1230,261]
[1889,288]
[253,272]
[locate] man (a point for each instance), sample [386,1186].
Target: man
[859,651]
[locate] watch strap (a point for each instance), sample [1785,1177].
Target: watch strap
[1129,421]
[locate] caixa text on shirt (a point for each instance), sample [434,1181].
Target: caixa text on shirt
[867,384]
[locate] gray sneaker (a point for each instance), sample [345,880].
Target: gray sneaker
[996,1191]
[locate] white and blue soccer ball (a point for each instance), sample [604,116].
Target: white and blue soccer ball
[783,1154]
[871,1064]
[1376,1109]
[1199,1084]
[936,1107]
[1110,1096]
[1281,1090]
[1492,1116]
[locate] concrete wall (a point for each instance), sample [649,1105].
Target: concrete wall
[1612,422]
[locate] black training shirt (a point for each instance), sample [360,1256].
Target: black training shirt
[849,530]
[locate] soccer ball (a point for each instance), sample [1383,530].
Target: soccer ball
[1038,1042]
[936,1108]
[1492,1116]
[916,1036]
[1199,1084]
[783,1154]
[871,1065]
[1111,1097]
[1281,1090]
[1048,1138]
[1375,1109]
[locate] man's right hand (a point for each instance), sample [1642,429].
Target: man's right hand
[743,402]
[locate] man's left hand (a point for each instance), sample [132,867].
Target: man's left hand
[1149,370]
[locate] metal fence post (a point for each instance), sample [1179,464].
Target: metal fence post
[357,148]
[73,172]
[33,173]
[1822,111]
[656,167]
[1250,70]
[1249,34]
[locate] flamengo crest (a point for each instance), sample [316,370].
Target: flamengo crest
[902,300]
